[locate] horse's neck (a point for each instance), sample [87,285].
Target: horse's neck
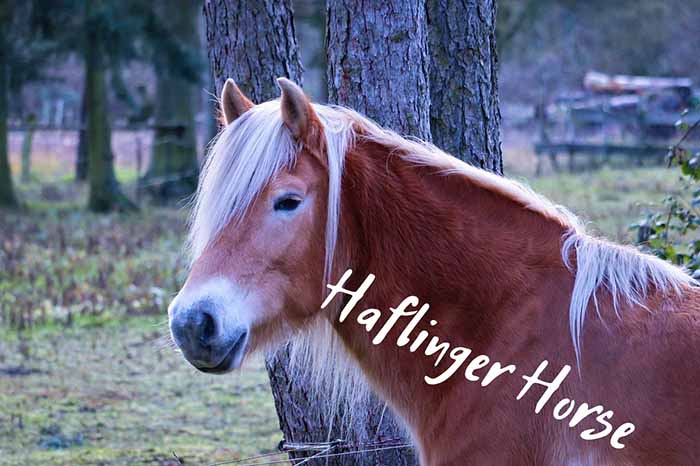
[442,237]
[479,259]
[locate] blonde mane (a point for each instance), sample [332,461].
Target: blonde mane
[257,146]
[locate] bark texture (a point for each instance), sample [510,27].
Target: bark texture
[254,43]
[7,193]
[464,113]
[27,150]
[378,62]
[81,159]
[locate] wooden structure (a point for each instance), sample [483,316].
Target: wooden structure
[628,116]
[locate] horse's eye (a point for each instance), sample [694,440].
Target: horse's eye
[287,203]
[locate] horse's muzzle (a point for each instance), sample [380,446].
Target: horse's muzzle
[205,341]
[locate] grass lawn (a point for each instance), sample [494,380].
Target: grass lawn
[95,383]
[115,394]
[610,200]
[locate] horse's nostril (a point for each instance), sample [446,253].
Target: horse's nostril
[206,327]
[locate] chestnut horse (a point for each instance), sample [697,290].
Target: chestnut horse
[294,194]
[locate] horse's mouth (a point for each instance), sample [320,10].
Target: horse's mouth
[233,358]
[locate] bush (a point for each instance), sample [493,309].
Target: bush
[669,233]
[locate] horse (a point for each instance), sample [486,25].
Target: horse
[305,214]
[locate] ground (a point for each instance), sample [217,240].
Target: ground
[116,394]
[91,379]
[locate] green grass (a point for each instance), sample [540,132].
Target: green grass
[58,261]
[609,200]
[115,394]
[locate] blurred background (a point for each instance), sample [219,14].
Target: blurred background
[592,96]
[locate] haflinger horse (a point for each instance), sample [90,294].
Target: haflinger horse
[294,195]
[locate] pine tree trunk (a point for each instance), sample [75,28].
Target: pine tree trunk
[378,62]
[105,193]
[173,169]
[211,107]
[464,114]
[7,193]
[254,47]
[254,43]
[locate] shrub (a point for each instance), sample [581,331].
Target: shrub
[670,232]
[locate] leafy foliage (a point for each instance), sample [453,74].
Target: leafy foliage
[672,233]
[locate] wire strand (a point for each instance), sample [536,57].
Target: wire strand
[326,453]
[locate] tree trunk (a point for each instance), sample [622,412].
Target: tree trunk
[81,160]
[254,47]
[464,114]
[254,43]
[378,62]
[173,169]
[7,193]
[211,107]
[105,193]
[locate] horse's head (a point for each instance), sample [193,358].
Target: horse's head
[258,231]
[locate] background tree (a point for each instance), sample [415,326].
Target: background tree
[105,193]
[7,193]
[174,167]
[81,156]
[24,54]
[514,16]
[107,35]
[26,171]
[464,114]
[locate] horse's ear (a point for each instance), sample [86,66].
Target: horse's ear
[233,102]
[297,112]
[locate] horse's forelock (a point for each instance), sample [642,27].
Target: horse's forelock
[240,162]
[246,155]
